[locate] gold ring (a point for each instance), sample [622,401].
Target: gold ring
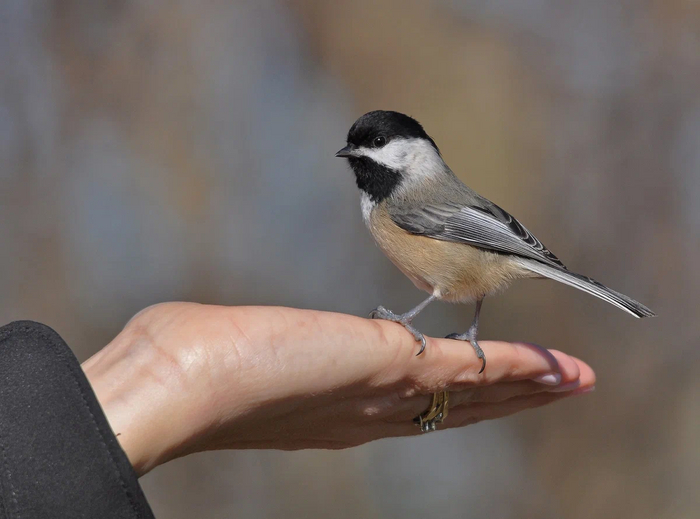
[435,414]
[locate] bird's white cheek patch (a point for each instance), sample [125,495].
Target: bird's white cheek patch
[394,155]
[415,158]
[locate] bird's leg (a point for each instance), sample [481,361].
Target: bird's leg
[404,319]
[471,334]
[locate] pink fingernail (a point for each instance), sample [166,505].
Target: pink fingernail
[550,379]
[570,386]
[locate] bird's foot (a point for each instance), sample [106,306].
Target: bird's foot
[403,319]
[470,336]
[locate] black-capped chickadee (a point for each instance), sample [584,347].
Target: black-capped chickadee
[451,242]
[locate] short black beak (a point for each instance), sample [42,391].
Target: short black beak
[347,151]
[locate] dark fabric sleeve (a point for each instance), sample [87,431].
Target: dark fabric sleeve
[58,455]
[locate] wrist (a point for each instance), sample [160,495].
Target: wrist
[145,398]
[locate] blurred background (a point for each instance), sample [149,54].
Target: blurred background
[154,151]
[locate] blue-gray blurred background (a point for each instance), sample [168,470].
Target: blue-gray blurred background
[154,151]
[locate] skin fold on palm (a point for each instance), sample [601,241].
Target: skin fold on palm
[183,378]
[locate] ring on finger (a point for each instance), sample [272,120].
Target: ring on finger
[435,414]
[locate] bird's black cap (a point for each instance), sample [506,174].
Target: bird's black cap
[387,124]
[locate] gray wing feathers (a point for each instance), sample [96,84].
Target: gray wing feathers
[428,220]
[588,285]
[488,227]
[521,232]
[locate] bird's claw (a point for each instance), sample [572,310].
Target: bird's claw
[420,338]
[472,340]
[382,313]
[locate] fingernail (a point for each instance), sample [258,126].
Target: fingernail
[550,379]
[566,387]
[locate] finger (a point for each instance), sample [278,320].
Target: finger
[383,352]
[475,413]
[384,348]
[587,379]
[575,373]
[503,391]
[570,371]
[471,414]
[587,375]
[496,393]
[393,408]
[453,364]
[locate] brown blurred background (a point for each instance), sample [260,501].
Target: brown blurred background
[154,151]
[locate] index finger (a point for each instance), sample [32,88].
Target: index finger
[447,362]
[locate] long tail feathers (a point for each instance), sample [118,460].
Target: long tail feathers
[588,285]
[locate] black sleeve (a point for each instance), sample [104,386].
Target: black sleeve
[58,455]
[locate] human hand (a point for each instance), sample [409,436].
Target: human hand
[183,377]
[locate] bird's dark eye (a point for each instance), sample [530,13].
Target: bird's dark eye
[379,141]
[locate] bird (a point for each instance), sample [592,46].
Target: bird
[448,240]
